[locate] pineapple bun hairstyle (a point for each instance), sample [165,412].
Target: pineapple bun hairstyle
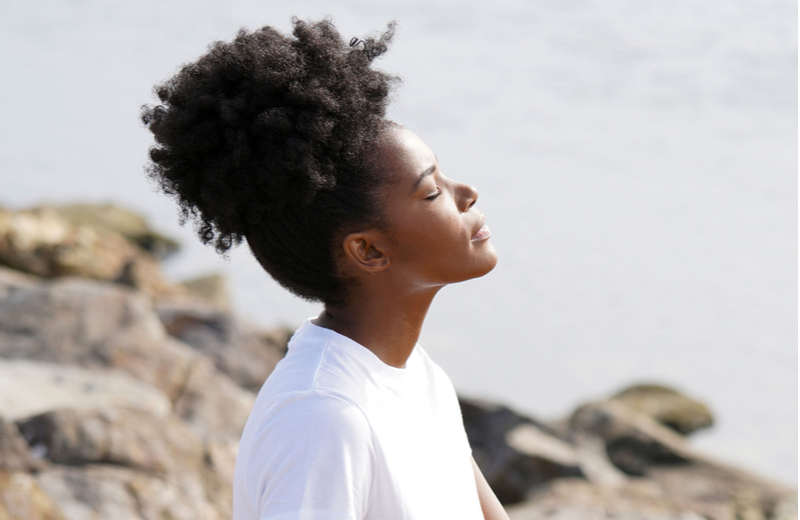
[264,138]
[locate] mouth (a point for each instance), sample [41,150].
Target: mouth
[483,233]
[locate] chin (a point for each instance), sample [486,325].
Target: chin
[491,266]
[489,263]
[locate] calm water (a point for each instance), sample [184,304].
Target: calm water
[636,162]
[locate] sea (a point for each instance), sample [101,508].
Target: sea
[636,161]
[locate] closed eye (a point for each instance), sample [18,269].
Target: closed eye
[432,197]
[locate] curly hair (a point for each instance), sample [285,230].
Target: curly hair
[264,138]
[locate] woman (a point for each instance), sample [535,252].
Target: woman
[282,141]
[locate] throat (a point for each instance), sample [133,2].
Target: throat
[386,329]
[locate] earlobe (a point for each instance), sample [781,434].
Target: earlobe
[365,250]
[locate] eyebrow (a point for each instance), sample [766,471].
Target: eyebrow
[422,176]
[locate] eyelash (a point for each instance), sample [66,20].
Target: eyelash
[432,197]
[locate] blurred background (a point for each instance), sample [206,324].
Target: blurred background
[637,163]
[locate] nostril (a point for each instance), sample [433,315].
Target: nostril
[473,195]
[468,195]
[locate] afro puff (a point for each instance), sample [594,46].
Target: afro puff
[264,137]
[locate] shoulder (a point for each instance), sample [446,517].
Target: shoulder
[308,417]
[315,410]
[308,448]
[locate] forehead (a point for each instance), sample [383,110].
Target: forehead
[401,156]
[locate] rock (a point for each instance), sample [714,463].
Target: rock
[127,223]
[119,436]
[30,387]
[577,499]
[667,406]
[220,462]
[595,463]
[212,288]
[633,440]
[12,280]
[21,498]
[40,242]
[244,352]
[92,324]
[124,463]
[588,453]
[639,445]
[719,492]
[102,491]
[14,453]
[529,439]
[98,325]
[785,510]
[509,472]
[212,404]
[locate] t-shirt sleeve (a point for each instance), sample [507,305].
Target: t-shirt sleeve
[312,459]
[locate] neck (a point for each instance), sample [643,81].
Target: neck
[388,327]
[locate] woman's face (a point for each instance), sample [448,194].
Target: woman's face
[436,234]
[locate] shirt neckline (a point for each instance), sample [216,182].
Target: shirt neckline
[342,342]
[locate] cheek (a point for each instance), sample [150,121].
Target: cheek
[443,231]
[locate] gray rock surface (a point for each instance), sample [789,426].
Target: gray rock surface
[92,324]
[577,499]
[720,492]
[15,456]
[247,354]
[509,471]
[32,387]
[118,220]
[634,441]
[105,492]
[39,241]
[212,288]
[124,463]
[118,436]
[667,406]
[22,498]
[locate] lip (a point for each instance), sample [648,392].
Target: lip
[483,233]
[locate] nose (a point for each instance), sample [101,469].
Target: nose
[467,196]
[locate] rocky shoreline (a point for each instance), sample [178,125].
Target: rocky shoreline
[122,395]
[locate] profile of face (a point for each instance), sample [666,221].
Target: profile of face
[436,235]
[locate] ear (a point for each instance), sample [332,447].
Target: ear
[366,250]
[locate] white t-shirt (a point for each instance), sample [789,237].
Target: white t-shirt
[335,433]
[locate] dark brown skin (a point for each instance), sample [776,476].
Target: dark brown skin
[436,236]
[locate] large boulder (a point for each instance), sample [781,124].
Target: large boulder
[120,463]
[634,441]
[585,451]
[33,387]
[577,499]
[246,353]
[212,403]
[511,472]
[99,325]
[667,406]
[697,490]
[12,280]
[125,222]
[95,492]
[211,289]
[92,324]
[720,492]
[41,242]
[14,453]
[119,436]
[22,498]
